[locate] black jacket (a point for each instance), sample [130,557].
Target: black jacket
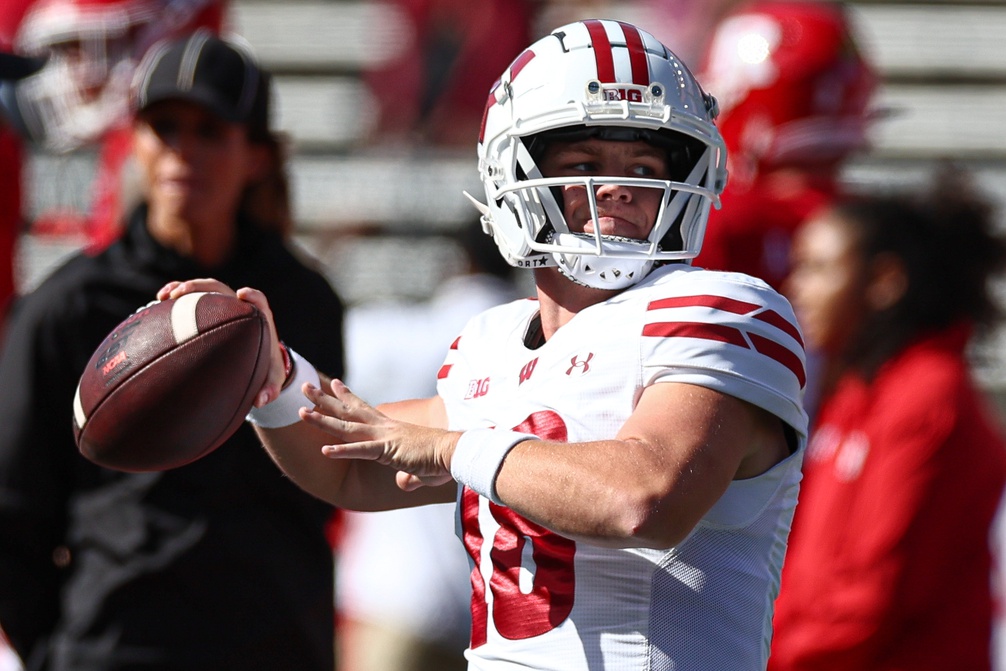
[221,564]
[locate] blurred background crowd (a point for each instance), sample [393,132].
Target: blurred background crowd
[381,102]
[379,105]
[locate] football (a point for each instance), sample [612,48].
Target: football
[171,383]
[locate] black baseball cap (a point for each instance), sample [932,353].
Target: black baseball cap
[13,66]
[204,69]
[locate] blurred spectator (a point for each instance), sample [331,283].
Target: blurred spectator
[80,98]
[794,94]
[12,68]
[888,565]
[402,579]
[221,564]
[433,91]
[686,24]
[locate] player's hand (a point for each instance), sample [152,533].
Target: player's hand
[277,368]
[421,455]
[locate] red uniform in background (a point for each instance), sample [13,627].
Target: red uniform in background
[11,159]
[80,98]
[433,90]
[10,212]
[794,92]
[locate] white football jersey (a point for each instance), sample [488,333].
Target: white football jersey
[543,601]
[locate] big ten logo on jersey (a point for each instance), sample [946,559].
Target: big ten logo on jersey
[477,387]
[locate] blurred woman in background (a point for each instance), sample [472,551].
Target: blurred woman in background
[888,564]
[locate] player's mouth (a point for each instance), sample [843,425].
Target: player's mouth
[613,226]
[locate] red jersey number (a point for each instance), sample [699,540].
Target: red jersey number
[545,600]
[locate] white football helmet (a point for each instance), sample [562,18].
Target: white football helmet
[611,80]
[93,47]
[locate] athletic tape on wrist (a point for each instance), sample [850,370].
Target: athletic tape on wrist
[479,455]
[284,410]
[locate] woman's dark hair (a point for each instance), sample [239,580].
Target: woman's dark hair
[267,201]
[945,237]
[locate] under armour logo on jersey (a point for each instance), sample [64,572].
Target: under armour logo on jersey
[527,370]
[582,366]
[477,387]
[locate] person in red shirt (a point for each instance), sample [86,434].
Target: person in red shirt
[795,94]
[888,565]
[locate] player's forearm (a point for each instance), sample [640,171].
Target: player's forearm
[614,493]
[353,484]
[296,450]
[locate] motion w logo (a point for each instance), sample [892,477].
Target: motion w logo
[527,370]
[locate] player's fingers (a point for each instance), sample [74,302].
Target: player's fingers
[277,365]
[326,403]
[355,406]
[200,284]
[165,292]
[408,482]
[342,392]
[329,415]
[258,299]
[342,431]
[367,450]
[255,297]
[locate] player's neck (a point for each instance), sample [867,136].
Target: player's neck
[560,299]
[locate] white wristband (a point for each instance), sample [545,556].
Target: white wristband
[479,455]
[284,409]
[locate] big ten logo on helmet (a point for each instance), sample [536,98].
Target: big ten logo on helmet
[477,387]
[633,95]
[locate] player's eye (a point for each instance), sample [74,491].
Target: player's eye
[650,168]
[586,167]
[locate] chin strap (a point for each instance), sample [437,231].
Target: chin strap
[602,272]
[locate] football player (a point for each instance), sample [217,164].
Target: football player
[625,447]
[81,97]
[795,94]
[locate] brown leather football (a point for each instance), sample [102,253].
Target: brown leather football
[171,383]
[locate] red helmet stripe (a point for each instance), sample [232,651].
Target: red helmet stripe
[490,101]
[520,62]
[515,68]
[637,54]
[602,51]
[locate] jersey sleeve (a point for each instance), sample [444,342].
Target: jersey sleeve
[728,332]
